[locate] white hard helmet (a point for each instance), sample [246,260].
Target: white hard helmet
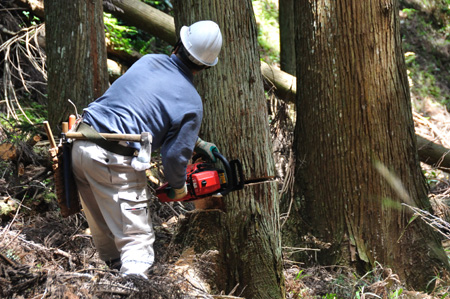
[203,41]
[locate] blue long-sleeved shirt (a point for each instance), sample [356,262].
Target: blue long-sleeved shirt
[155,95]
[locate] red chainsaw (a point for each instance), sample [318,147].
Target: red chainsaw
[204,179]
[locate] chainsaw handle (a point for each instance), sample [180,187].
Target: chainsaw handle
[233,169]
[236,167]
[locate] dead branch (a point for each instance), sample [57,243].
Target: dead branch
[45,249]
[24,44]
[438,224]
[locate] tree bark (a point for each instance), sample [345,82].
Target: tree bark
[235,109]
[287,36]
[354,113]
[76,56]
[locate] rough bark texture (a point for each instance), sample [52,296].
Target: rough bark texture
[76,56]
[354,111]
[287,36]
[235,118]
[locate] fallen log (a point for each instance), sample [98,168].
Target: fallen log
[284,84]
[433,154]
[146,18]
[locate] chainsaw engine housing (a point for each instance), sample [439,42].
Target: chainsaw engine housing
[205,180]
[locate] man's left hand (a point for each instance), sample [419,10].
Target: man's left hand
[206,148]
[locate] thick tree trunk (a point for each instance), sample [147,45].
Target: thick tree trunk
[287,36]
[76,56]
[354,112]
[235,118]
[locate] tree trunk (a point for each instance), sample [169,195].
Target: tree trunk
[354,112]
[76,56]
[235,118]
[287,36]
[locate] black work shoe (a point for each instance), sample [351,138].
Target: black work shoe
[114,264]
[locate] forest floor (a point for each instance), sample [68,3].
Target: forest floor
[43,255]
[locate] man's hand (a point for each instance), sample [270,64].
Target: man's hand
[138,165]
[206,148]
[173,193]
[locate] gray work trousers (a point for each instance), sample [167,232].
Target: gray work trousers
[115,199]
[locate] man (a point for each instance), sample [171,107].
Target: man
[155,95]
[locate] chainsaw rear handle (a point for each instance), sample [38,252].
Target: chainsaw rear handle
[236,167]
[234,172]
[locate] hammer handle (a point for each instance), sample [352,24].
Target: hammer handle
[107,136]
[48,130]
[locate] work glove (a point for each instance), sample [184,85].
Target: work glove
[173,193]
[138,165]
[206,148]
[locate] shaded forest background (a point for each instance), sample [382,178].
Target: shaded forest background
[42,254]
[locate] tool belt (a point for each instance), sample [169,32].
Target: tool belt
[92,135]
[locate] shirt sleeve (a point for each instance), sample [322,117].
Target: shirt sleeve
[178,146]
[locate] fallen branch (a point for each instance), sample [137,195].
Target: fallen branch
[43,248]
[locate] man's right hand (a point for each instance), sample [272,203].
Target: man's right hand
[173,193]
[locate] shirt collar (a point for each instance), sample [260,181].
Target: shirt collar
[181,65]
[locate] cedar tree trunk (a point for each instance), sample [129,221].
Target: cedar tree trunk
[246,232]
[287,36]
[354,112]
[76,56]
